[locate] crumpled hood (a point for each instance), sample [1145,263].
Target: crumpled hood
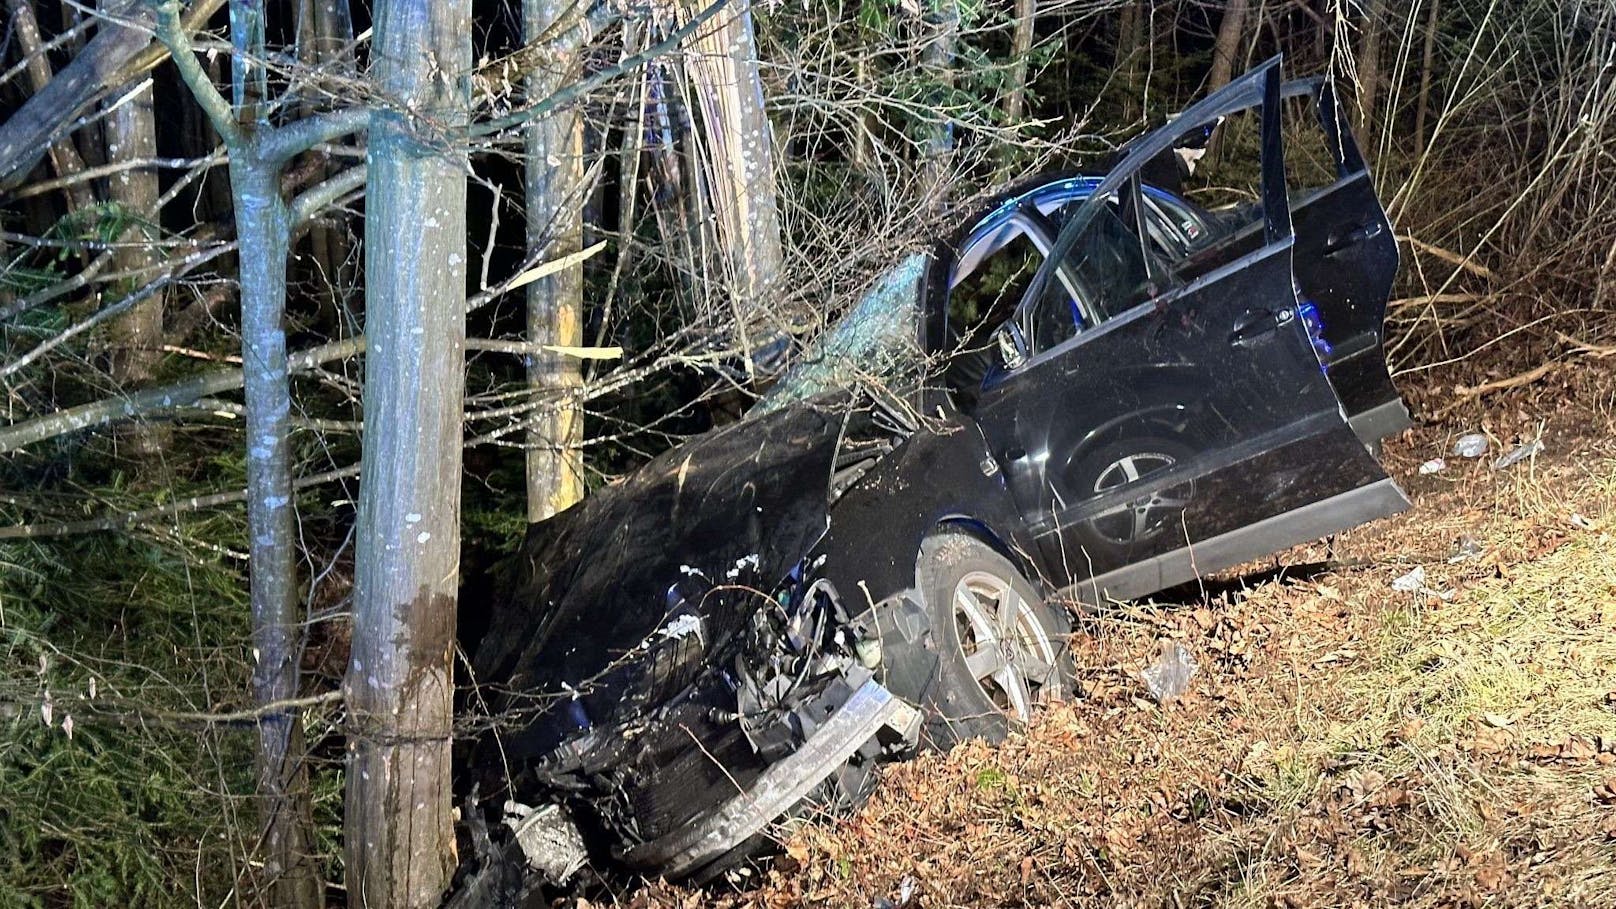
[584,611]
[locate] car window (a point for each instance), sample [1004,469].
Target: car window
[1108,269]
[993,274]
[876,342]
[1221,177]
[983,297]
[1312,160]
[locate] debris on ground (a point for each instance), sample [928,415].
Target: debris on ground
[1435,465]
[1470,445]
[1529,450]
[1169,677]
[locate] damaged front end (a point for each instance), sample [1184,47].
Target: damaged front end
[673,675]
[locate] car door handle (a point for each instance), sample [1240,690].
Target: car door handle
[1359,234]
[1257,323]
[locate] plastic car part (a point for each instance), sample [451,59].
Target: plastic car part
[783,785]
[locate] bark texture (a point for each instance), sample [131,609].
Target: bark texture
[554,189]
[1015,99]
[722,64]
[1227,46]
[399,840]
[131,135]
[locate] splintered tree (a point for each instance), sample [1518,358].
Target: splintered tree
[738,166]
[398,829]
[554,171]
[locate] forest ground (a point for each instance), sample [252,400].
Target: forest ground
[1344,743]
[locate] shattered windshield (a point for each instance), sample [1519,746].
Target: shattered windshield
[875,342]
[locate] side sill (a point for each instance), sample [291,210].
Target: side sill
[1310,522]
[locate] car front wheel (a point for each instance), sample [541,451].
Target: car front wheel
[1002,651]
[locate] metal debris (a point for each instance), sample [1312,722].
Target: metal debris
[1471,445]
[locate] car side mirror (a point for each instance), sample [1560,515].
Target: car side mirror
[1012,345]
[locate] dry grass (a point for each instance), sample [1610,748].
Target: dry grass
[1344,744]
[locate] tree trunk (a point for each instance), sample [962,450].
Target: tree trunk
[1427,61]
[263,226]
[131,134]
[723,66]
[1369,72]
[554,189]
[399,838]
[64,157]
[938,60]
[1130,38]
[1227,46]
[1015,99]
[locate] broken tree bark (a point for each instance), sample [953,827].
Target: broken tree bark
[722,64]
[398,833]
[554,189]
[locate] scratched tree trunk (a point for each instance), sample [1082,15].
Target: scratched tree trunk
[722,64]
[554,189]
[399,839]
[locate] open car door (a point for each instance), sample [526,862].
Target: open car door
[1345,256]
[1161,413]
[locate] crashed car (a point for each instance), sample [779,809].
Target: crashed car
[1101,387]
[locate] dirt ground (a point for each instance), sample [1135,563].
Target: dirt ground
[1345,742]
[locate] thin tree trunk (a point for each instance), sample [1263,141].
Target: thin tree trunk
[398,833]
[131,134]
[938,59]
[1427,61]
[263,227]
[1369,71]
[1227,46]
[64,157]
[723,67]
[1130,38]
[554,189]
[1015,99]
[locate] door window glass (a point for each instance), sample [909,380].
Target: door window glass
[994,275]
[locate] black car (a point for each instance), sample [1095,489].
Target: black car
[1102,387]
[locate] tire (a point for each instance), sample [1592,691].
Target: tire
[1128,530]
[974,595]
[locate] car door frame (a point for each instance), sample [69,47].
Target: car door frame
[1356,246]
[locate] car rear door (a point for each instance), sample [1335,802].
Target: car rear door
[1345,256]
[1185,424]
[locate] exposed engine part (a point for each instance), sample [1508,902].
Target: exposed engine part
[549,840]
[870,709]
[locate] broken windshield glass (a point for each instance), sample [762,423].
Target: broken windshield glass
[874,343]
